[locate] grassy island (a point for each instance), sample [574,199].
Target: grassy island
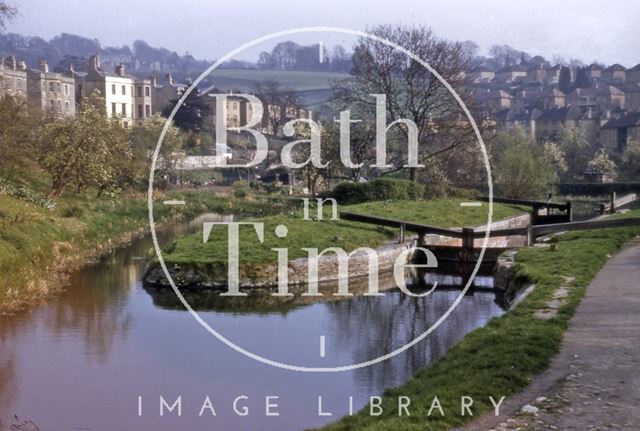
[329,233]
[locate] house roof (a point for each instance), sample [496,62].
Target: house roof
[633,87]
[595,66]
[513,116]
[492,94]
[514,68]
[597,91]
[616,67]
[629,120]
[636,67]
[561,114]
[554,92]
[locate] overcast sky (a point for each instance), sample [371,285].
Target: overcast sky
[584,29]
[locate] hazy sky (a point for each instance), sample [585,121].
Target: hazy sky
[588,30]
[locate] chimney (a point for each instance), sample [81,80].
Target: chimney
[154,81]
[168,79]
[42,64]
[120,70]
[94,63]
[22,65]
[11,62]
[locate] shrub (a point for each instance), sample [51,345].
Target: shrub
[349,193]
[380,189]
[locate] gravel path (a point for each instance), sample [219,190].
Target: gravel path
[594,382]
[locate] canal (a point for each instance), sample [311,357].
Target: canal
[82,360]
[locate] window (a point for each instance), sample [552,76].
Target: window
[124,109]
[57,87]
[124,90]
[51,105]
[66,106]
[139,109]
[139,91]
[147,110]
[126,125]
[146,91]
[113,109]
[18,84]
[59,105]
[113,88]
[51,87]
[66,89]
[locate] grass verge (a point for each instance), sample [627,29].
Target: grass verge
[502,357]
[40,246]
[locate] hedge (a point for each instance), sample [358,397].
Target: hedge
[596,189]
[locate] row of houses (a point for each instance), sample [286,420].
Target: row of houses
[550,75]
[58,93]
[128,97]
[606,106]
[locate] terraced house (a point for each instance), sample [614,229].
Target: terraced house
[53,92]
[13,77]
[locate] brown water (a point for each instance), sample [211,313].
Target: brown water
[80,362]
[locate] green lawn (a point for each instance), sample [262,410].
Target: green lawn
[328,233]
[502,357]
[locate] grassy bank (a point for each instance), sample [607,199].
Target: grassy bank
[502,357]
[329,233]
[40,245]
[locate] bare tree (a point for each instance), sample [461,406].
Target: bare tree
[7,13]
[279,103]
[412,91]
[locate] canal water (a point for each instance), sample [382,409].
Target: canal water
[81,361]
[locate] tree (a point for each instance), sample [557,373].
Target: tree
[564,81]
[582,79]
[602,164]
[577,150]
[18,119]
[7,14]
[91,149]
[411,91]
[278,101]
[191,114]
[630,160]
[145,139]
[520,167]
[555,157]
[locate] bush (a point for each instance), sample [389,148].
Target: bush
[349,193]
[594,189]
[380,189]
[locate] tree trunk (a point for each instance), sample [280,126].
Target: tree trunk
[56,191]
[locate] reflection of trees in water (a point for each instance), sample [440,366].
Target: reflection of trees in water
[373,326]
[93,306]
[8,387]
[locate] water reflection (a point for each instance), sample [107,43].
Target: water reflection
[81,360]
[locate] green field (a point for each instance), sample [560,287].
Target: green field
[244,79]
